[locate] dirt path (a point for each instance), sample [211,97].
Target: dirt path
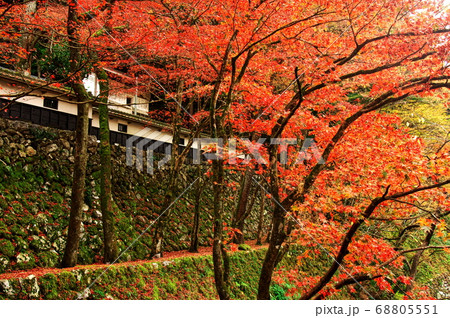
[40,271]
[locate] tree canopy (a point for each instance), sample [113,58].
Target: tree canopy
[336,79]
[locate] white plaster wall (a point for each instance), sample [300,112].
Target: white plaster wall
[91,84]
[134,128]
[7,88]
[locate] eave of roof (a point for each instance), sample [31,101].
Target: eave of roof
[33,82]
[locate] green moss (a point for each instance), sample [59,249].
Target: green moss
[17,208]
[67,281]
[3,204]
[141,251]
[29,287]
[121,271]
[98,294]
[142,269]
[22,245]
[4,231]
[19,230]
[85,277]
[244,247]
[42,133]
[7,248]
[277,292]
[48,285]
[57,197]
[184,278]
[39,243]
[4,263]
[171,286]
[47,259]
[29,221]
[140,283]
[86,255]
[399,296]
[155,295]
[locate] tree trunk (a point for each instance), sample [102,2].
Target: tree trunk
[416,259]
[78,187]
[81,136]
[106,200]
[242,206]
[220,258]
[193,248]
[277,235]
[174,169]
[160,226]
[261,218]
[157,242]
[29,39]
[277,238]
[269,233]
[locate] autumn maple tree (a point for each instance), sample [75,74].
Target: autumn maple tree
[277,68]
[316,73]
[326,51]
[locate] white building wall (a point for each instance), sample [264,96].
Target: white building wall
[91,84]
[65,106]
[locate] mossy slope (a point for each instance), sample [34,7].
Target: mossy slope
[182,278]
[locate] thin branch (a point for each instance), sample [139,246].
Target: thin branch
[343,251]
[422,248]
